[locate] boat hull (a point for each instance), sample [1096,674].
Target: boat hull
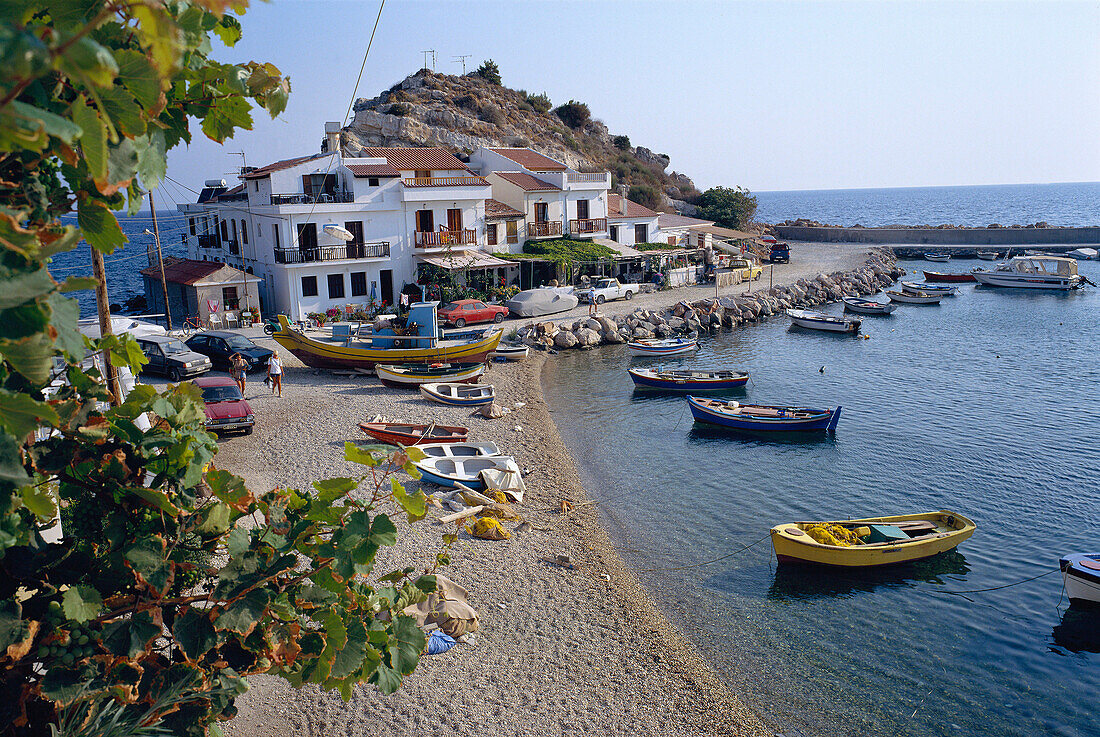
[826,323]
[511,353]
[1081,577]
[446,471]
[913,287]
[792,545]
[938,257]
[399,434]
[1026,281]
[939,276]
[869,307]
[644,350]
[820,420]
[645,379]
[914,299]
[478,396]
[390,376]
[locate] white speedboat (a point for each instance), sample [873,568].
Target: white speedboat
[820,321]
[1081,576]
[914,298]
[1084,254]
[1032,272]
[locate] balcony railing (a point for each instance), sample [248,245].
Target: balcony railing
[428,239]
[380,249]
[445,182]
[308,199]
[208,240]
[576,176]
[591,225]
[543,230]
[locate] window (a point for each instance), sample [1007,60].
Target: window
[234,224]
[229,298]
[372,181]
[614,232]
[225,231]
[423,174]
[641,233]
[275,233]
[541,212]
[244,232]
[491,234]
[355,227]
[335,286]
[358,283]
[191,225]
[307,236]
[255,185]
[512,229]
[309,286]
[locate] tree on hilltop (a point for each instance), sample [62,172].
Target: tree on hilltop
[489,71]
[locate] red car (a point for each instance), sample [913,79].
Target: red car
[226,408]
[463,311]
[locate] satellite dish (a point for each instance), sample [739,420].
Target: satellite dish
[337,231]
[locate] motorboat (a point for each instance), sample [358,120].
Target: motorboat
[459,450]
[761,417]
[940,276]
[451,471]
[940,257]
[397,433]
[915,287]
[988,255]
[867,306]
[820,321]
[872,541]
[676,380]
[1081,577]
[1033,272]
[914,298]
[1083,254]
[412,375]
[458,395]
[662,347]
[511,352]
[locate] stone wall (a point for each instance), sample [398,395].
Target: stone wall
[941,236]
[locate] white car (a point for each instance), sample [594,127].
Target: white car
[536,302]
[605,290]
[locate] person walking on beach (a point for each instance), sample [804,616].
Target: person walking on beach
[275,373]
[237,368]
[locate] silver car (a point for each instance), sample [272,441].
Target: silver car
[535,302]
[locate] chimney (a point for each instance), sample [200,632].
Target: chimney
[332,137]
[623,189]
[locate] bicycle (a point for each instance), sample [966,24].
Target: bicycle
[191,326]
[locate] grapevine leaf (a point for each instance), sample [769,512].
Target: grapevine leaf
[152,162]
[406,645]
[140,77]
[85,59]
[24,287]
[350,657]
[93,138]
[244,614]
[415,505]
[147,559]
[129,637]
[20,414]
[13,628]
[40,502]
[31,357]
[194,633]
[101,228]
[11,463]
[64,313]
[34,118]
[81,603]
[333,489]
[387,679]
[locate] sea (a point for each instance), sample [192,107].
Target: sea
[985,405]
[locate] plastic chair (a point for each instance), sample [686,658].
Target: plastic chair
[215,321]
[232,320]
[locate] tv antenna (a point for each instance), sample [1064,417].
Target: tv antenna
[462,58]
[425,53]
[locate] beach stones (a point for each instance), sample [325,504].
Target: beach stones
[565,339]
[587,336]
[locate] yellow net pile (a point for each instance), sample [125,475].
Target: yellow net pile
[827,533]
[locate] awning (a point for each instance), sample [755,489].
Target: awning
[466,260]
[623,251]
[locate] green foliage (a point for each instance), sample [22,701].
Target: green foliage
[489,71]
[621,142]
[730,208]
[645,195]
[574,114]
[399,109]
[655,247]
[126,625]
[468,102]
[565,250]
[492,114]
[571,142]
[540,102]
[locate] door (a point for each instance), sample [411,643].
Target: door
[425,222]
[582,209]
[386,277]
[355,246]
[454,220]
[512,230]
[614,232]
[491,234]
[541,212]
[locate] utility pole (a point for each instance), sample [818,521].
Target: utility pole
[103,308]
[248,208]
[425,53]
[160,257]
[462,59]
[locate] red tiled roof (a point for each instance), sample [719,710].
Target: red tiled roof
[373,170]
[527,182]
[411,159]
[183,270]
[633,209]
[530,160]
[495,210]
[264,171]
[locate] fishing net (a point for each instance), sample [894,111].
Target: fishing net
[827,533]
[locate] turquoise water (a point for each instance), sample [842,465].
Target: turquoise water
[986,404]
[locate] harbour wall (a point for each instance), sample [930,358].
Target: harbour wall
[1070,237]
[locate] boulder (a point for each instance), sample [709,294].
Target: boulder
[565,339]
[592,324]
[587,337]
[640,332]
[611,336]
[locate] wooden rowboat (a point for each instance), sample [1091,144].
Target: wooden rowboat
[511,352]
[940,276]
[662,347]
[458,395]
[449,471]
[396,433]
[675,380]
[412,375]
[459,450]
[820,321]
[868,306]
[988,255]
[873,541]
[941,257]
[762,417]
[1081,578]
[914,298]
[915,287]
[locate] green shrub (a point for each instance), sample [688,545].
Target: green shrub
[730,208]
[655,247]
[541,102]
[621,142]
[400,109]
[574,114]
[564,250]
[492,114]
[467,102]
[489,71]
[645,195]
[570,141]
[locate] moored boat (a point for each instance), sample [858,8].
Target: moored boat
[940,276]
[397,433]
[662,346]
[1081,577]
[449,470]
[458,395]
[914,298]
[940,257]
[761,417]
[459,450]
[412,375]
[916,287]
[1083,254]
[868,306]
[988,255]
[820,321]
[675,380]
[1032,272]
[872,541]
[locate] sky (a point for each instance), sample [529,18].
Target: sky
[765,95]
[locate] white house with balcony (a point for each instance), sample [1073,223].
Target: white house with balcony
[401,206]
[555,200]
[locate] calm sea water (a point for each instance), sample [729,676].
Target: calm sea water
[1009,204]
[986,405]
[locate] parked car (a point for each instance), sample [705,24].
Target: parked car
[779,253]
[535,302]
[226,408]
[605,290]
[170,357]
[748,269]
[464,311]
[220,345]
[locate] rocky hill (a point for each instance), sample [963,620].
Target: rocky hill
[462,113]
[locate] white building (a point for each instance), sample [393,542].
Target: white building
[676,230]
[629,223]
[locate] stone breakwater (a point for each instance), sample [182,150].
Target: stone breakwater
[711,315]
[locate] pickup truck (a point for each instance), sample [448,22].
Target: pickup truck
[606,289]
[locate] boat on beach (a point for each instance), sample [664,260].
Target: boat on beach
[397,433]
[916,287]
[914,298]
[820,321]
[511,352]
[450,470]
[412,375]
[868,306]
[1081,577]
[676,380]
[940,276]
[416,342]
[761,417]
[662,347]
[459,450]
[872,541]
[458,395]
[988,255]
[940,257]
[1033,272]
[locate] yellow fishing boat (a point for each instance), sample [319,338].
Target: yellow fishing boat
[417,342]
[874,541]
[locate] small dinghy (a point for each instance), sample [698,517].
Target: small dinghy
[396,433]
[868,306]
[916,287]
[940,257]
[941,276]
[1081,576]
[1083,254]
[988,255]
[411,375]
[820,321]
[459,450]
[459,395]
[914,298]
[674,380]
[662,346]
[874,541]
[511,352]
[762,417]
[449,471]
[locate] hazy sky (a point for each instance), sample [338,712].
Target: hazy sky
[764,95]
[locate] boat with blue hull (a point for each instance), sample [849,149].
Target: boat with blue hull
[662,347]
[761,417]
[685,380]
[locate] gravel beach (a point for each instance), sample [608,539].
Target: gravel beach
[560,651]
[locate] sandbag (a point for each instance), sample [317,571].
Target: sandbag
[447,608]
